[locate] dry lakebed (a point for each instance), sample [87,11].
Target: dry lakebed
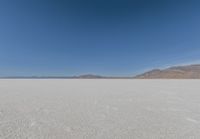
[99,109]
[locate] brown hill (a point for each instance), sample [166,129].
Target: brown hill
[178,72]
[89,76]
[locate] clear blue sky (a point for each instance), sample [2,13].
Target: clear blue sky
[107,37]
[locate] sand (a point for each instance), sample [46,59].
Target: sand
[99,109]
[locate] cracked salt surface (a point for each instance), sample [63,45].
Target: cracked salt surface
[99,109]
[192,120]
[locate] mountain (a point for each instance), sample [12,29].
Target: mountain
[177,72]
[89,76]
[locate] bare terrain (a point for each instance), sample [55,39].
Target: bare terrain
[177,72]
[99,109]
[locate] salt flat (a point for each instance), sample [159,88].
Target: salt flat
[99,109]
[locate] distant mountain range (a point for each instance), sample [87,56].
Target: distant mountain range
[85,76]
[88,76]
[177,72]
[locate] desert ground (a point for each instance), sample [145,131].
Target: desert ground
[99,109]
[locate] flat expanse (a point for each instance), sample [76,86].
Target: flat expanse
[99,109]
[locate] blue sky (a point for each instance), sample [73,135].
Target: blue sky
[106,37]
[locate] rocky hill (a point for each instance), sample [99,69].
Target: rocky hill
[178,72]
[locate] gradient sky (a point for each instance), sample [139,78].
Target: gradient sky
[106,37]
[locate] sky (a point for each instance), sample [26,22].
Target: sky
[105,37]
